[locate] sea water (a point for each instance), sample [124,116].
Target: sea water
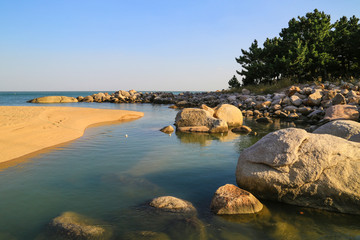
[111,178]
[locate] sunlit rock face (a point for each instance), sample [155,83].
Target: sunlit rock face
[305,169]
[229,199]
[194,117]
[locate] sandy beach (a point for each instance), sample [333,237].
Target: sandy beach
[25,130]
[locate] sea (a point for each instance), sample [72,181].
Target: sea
[111,178]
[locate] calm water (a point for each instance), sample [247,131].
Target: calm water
[110,178]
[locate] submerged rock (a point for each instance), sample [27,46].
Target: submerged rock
[230,199]
[145,235]
[76,226]
[305,169]
[189,228]
[173,204]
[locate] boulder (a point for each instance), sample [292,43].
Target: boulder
[230,199]
[342,112]
[123,93]
[54,99]
[338,99]
[295,100]
[75,226]
[241,129]
[209,109]
[292,90]
[132,92]
[230,114]
[193,117]
[305,169]
[172,204]
[88,99]
[290,109]
[245,91]
[305,110]
[167,129]
[146,235]
[315,98]
[99,97]
[340,128]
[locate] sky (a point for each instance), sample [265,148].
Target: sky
[187,45]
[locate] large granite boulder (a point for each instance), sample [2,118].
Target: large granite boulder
[230,114]
[342,112]
[207,108]
[75,226]
[54,99]
[230,199]
[192,117]
[340,128]
[173,204]
[305,169]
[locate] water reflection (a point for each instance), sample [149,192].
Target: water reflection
[205,139]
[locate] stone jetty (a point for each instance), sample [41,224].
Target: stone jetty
[306,103]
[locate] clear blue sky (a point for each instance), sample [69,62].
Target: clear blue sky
[138,44]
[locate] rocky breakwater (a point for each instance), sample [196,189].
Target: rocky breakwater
[305,169]
[305,103]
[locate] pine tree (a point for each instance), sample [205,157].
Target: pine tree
[234,83]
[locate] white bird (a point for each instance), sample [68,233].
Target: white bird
[126,135]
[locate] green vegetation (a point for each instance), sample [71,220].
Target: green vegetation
[310,48]
[264,88]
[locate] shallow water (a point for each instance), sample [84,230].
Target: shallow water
[110,178]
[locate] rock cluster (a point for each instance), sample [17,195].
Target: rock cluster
[304,103]
[217,120]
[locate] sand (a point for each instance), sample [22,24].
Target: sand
[25,130]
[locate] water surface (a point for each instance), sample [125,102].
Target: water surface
[109,177]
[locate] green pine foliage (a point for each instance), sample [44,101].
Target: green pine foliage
[234,83]
[309,48]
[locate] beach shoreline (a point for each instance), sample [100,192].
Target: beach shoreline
[26,131]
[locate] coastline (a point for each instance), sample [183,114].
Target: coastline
[27,130]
